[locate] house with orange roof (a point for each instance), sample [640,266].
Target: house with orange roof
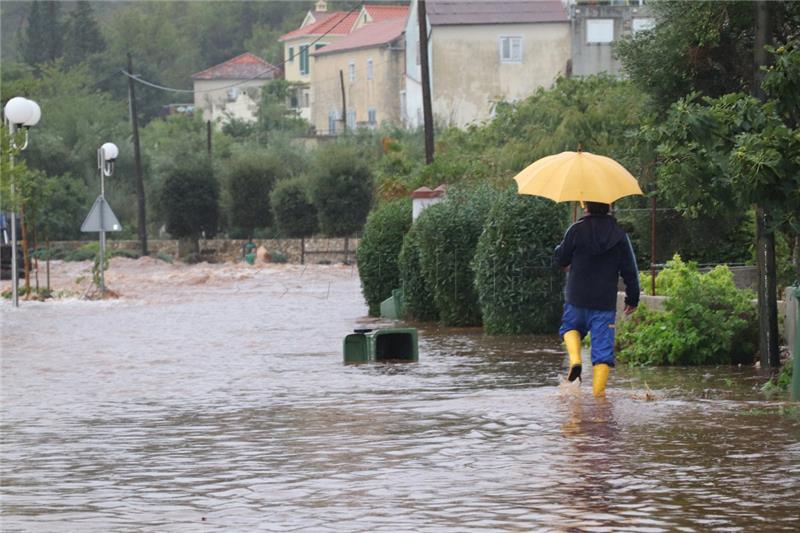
[232,89]
[319,29]
[367,66]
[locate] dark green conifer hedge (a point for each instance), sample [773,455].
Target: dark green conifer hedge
[379,249]
[519,289]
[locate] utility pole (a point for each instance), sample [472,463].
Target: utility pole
[137,159]
[427,110]
[344,101]
[765,233]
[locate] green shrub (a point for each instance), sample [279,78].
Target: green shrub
[706,320]
[417,297]
[167,258]
[295,215]
[341,188]
[448,235]
[250,176]
[519,288]
[189,200]
[379,249]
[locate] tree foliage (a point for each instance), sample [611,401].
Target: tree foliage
[341,189]
[379,249]
[82,37]
[43,39]
[704,47]
[519,288]
[250,176]
[417,296]
[190,199]
[707,320]
[448,235]
[295,215]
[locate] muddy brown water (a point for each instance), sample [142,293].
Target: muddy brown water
[214,398]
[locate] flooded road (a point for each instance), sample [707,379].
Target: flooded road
[214,398]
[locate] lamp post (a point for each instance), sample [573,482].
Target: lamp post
[18,112]
[106,155]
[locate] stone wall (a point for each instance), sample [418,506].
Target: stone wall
[317,250]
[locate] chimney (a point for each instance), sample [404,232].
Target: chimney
[322,5]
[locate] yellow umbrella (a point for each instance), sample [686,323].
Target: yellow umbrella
[577,176]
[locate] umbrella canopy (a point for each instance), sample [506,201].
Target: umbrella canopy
[577,176]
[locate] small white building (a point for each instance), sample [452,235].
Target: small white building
[233,89]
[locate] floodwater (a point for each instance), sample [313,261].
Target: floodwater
[214,398]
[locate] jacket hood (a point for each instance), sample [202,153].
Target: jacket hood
[601,233]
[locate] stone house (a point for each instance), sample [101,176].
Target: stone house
[481,53]
[232,89]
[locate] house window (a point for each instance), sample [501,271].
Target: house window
[351,71]
[293,100]
[304,59]
[370,71]
[333,118]
[643,24]
[351,120]
[511,49]
[306,99]
[372,115]
[291,54]
[599,30]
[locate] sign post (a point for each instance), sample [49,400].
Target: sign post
[101,218]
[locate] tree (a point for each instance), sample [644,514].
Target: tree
[273,114]
[82,37]
[190,200]
[341,189]
[43,39]
[295,215]
[250,177]
[704,47]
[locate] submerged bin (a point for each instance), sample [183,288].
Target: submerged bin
[392,307]
[379,345]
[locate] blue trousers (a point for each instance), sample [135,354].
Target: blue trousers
[601,325]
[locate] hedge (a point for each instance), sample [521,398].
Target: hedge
[519,288]
[417,296]
[379,249]
[448,235]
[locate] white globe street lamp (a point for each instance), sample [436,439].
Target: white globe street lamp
[18,112]
[106,155]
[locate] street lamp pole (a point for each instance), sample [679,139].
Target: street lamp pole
[106,155]
[26,113]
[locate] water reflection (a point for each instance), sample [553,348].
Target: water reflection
[204,406]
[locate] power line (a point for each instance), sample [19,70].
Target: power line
[272,68]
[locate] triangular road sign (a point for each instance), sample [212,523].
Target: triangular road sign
[101,218]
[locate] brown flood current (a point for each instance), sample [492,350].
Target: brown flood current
[214,398]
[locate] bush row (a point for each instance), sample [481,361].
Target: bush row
[481,257]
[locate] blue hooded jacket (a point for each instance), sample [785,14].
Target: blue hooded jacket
[598,252]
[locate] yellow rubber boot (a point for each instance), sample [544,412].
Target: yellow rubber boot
[573,341]
[600,379]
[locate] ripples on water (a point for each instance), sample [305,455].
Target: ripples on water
[224,405]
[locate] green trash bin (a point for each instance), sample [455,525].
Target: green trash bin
[392,307]
[381,345]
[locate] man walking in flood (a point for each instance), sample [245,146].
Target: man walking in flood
[595,252]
